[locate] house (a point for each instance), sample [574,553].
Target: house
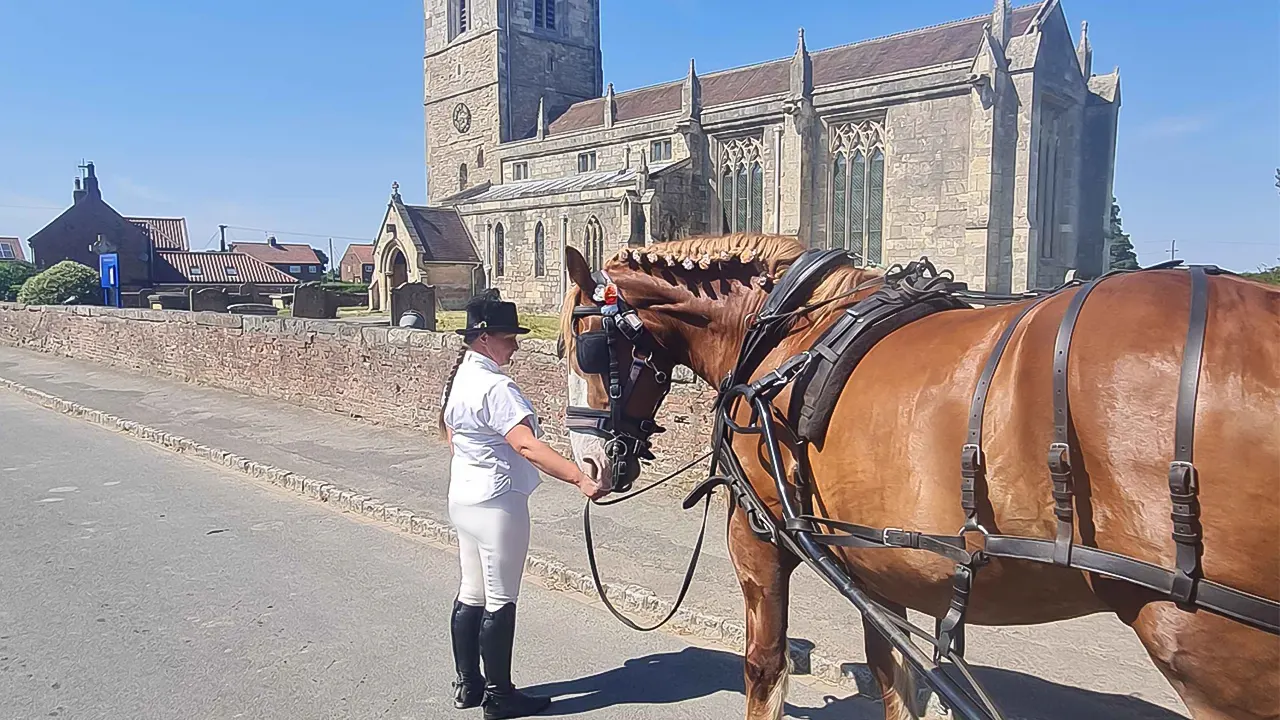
[91,227]
[11,249]
[357,264]
[428,245]
[177,269]
[301,261]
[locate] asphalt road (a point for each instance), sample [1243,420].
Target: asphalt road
[135,583]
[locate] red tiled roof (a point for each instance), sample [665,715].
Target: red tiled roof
[912,50]
[15,249]
[165,233]
[362,254]
[216,268]
[280,253]
[442,233]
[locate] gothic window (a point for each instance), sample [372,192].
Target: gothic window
[1047,180]
[499,251]
[544,13]
[741,185]
[593,243]
[857,190]
[539,251]
[462,176]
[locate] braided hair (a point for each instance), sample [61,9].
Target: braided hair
[448,388]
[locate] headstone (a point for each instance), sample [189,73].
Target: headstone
[209,299]
[417,297]
[170,301]
[252,309]
[310,300]
[250,293]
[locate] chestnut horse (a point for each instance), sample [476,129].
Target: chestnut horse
[902,419]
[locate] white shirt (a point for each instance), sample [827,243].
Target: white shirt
[483,406]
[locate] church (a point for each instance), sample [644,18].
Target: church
[986,144]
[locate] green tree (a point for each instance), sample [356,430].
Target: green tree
[67,282]
[12,274]
[1269,275]
[1122,255]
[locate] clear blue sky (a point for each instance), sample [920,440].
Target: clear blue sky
[295,117]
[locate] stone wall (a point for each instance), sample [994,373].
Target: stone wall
[384,375]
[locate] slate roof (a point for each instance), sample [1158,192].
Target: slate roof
[15,245]
[442,233]
[175,267]
[360,253]
[578,182]
[280,253]
[925,47]
[165,233]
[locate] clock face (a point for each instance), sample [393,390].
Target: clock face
[462,117]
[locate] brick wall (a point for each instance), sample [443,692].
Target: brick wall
[379,374]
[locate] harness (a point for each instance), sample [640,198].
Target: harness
[817,376]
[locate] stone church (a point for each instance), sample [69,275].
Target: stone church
[987,144]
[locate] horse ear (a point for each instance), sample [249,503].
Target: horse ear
[579,271]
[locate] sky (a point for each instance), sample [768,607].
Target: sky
[294,117]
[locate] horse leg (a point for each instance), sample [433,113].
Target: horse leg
[1220,668]
[764,572]
[896,680]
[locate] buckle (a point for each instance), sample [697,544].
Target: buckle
[1059,458]
[1182,478]
[906,538]
[970,458]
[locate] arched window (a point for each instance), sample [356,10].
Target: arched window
[480,158]
[741,185]
[857,190]
[539,251]
[462,176]
[593,243]
[499,251]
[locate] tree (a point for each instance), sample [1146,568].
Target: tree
[68,282]
[1122,256]
[13,273]
[1269,275]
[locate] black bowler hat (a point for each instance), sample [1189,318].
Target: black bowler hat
[487,314]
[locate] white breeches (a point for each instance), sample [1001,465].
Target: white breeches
[493,541]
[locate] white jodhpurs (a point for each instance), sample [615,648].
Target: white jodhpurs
[493,541]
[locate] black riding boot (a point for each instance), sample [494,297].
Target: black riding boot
[468,689]
[501,699]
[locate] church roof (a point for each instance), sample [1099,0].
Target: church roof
[165,233]
[579,182]
[442,233]
[925,47]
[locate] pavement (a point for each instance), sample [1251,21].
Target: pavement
[1088,667]
[142,584]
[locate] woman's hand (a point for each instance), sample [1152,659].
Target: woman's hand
[590,487]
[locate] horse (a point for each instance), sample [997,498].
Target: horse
[901,420]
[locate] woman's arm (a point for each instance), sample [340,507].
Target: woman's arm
[545,458]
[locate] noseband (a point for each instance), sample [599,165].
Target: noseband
[626,438]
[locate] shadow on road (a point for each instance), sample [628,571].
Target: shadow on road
[698,672]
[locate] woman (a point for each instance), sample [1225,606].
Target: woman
[493,432]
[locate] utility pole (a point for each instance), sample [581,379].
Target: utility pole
[330,254]
[1173,249]
[222,238]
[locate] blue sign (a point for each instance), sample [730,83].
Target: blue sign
[109,270]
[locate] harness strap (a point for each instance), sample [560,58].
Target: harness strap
[951,547]
[1183,479]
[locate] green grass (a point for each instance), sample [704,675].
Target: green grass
[543,327]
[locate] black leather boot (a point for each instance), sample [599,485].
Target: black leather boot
[468,689]
[501,699]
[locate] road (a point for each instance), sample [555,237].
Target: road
[142,584]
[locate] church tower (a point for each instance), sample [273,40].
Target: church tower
[489,65]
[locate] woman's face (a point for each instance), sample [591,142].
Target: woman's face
[498,347]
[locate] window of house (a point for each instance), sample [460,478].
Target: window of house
[368,268]
[593,243]
[1047,180]
[295,269]
[741,185]
[194,271]
[499,251]
[520,171]
[660,150]
[462,176]
[544,13]
[857,190]
[539,251]
[587,161]
[230,271]
[6,251]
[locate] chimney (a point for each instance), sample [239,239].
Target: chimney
[78,194]
[271,240]
[90,183]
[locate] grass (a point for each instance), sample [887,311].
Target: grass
[543,327]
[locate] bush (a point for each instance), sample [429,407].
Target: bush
[68,280]
[340,286]
[13,273]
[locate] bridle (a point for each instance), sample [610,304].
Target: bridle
[597,352]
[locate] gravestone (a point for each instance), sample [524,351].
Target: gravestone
[310,300]
[250,293]
[417,297]
[209,300]
[170,301]
[252,309]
